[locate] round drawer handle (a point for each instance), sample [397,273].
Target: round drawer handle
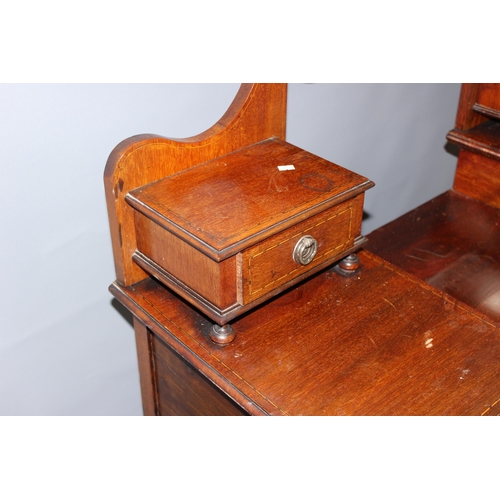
[305,250]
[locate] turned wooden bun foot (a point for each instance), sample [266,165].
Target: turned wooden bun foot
[222,335]
[348,265]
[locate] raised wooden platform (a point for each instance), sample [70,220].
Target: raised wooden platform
[416,331]
[382,342]
[453,243]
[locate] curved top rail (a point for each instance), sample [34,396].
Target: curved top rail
[257,112]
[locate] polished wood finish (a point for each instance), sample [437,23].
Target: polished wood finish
[477,133]
[478,168]
[419,335]
[484,140]
[488,100]
[257,113]
[143,341]
[268,265]
[174,261]
[478,103]
[478,176]
[183,391]
[228,204]
[453,243]
[223,234]
[382,342]
[466,116]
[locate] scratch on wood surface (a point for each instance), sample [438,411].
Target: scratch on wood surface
[428,339]
[372,341]
[423,250]
[389,302]
[415,257]
[275,185]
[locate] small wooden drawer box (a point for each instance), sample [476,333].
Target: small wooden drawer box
[230,233]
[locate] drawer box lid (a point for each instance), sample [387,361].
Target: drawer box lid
[227,204]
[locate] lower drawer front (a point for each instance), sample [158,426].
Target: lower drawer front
[181,390]
[270,264]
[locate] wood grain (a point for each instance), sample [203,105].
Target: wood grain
[466,116]
[483,139]
[478,176]
[214,281]
[146,371]
[183,391]
[384,341]
[488,100]
[269,264]
[380,343]
[259,110]
[225,205]
[451,242]
[192,226]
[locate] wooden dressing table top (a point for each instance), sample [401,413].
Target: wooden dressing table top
[339,345]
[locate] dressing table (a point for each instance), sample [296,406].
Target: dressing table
[406,322]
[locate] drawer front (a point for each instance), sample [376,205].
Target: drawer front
[270,264]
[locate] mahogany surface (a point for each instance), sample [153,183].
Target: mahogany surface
[382,342]
[146,368]
[225,205]
[223,234]
[478,176]
[452,242]
[258,112]
[183,391]
[416,331]
[478,167]
[488,100]
[483,139]
[478,102]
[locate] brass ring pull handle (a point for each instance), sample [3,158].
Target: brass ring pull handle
[305,250]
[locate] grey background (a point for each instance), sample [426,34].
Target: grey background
[65,348]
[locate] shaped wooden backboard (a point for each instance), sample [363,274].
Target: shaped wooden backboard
[258,112]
